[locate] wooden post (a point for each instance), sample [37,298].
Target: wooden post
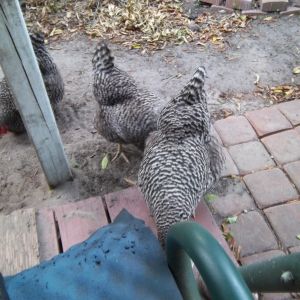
[21,70]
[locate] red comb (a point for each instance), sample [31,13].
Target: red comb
[3,130]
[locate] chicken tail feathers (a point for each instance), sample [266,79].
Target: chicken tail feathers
[37,38]
[102,60]
[187,113]
[192,92]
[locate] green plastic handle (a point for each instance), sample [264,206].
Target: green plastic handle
[280,274]
[189,240]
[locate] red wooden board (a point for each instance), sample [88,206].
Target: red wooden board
[47,237]
[204,217]
[78,220]
[131,199]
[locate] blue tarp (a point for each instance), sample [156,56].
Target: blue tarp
[120,261]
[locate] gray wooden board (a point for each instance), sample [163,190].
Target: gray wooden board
[47,234]
[19,241]
[21,70]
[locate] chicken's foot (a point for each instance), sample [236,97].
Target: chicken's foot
[120,153]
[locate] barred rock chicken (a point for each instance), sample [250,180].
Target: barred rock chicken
[182,160]
[9,114]
[126,112]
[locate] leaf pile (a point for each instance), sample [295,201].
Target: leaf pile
[279,93]
[140,24]
[214,28]
[136,23]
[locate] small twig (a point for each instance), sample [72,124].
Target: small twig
[129,181]
[125,158]
[257,79]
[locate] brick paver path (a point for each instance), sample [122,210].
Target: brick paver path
[262,151]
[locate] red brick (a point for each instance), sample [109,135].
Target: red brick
[250,157]
[291,109]
[204,217]
[267,120]
[253,234]
[259,257]
[298,129]
[293,170]
[285,220]
[235,130]
[291,11]
[284,146]
[239,4]
[234,201]
[270,187]
[253,12]
[273,5]
[276,296]
[230,167]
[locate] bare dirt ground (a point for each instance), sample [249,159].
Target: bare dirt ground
[269,49]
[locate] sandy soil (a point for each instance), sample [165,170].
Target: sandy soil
[270,50]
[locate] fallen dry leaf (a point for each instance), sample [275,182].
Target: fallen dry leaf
[268,18]
[296,70]
[55,31]
[104,162]
[234,247]
[210,197]
[231,220]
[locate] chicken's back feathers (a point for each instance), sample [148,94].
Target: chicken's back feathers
[126,112]
[51,76]
[181,160]
[9,114]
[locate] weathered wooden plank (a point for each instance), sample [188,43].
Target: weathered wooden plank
[132,200]
[20,67]
[204,217]
[47,235]
[19,241]
[77,221]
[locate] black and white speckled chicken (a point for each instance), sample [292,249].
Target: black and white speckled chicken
[126,113]
[182,160]
[9,114]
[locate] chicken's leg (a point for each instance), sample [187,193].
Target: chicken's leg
[120,153]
